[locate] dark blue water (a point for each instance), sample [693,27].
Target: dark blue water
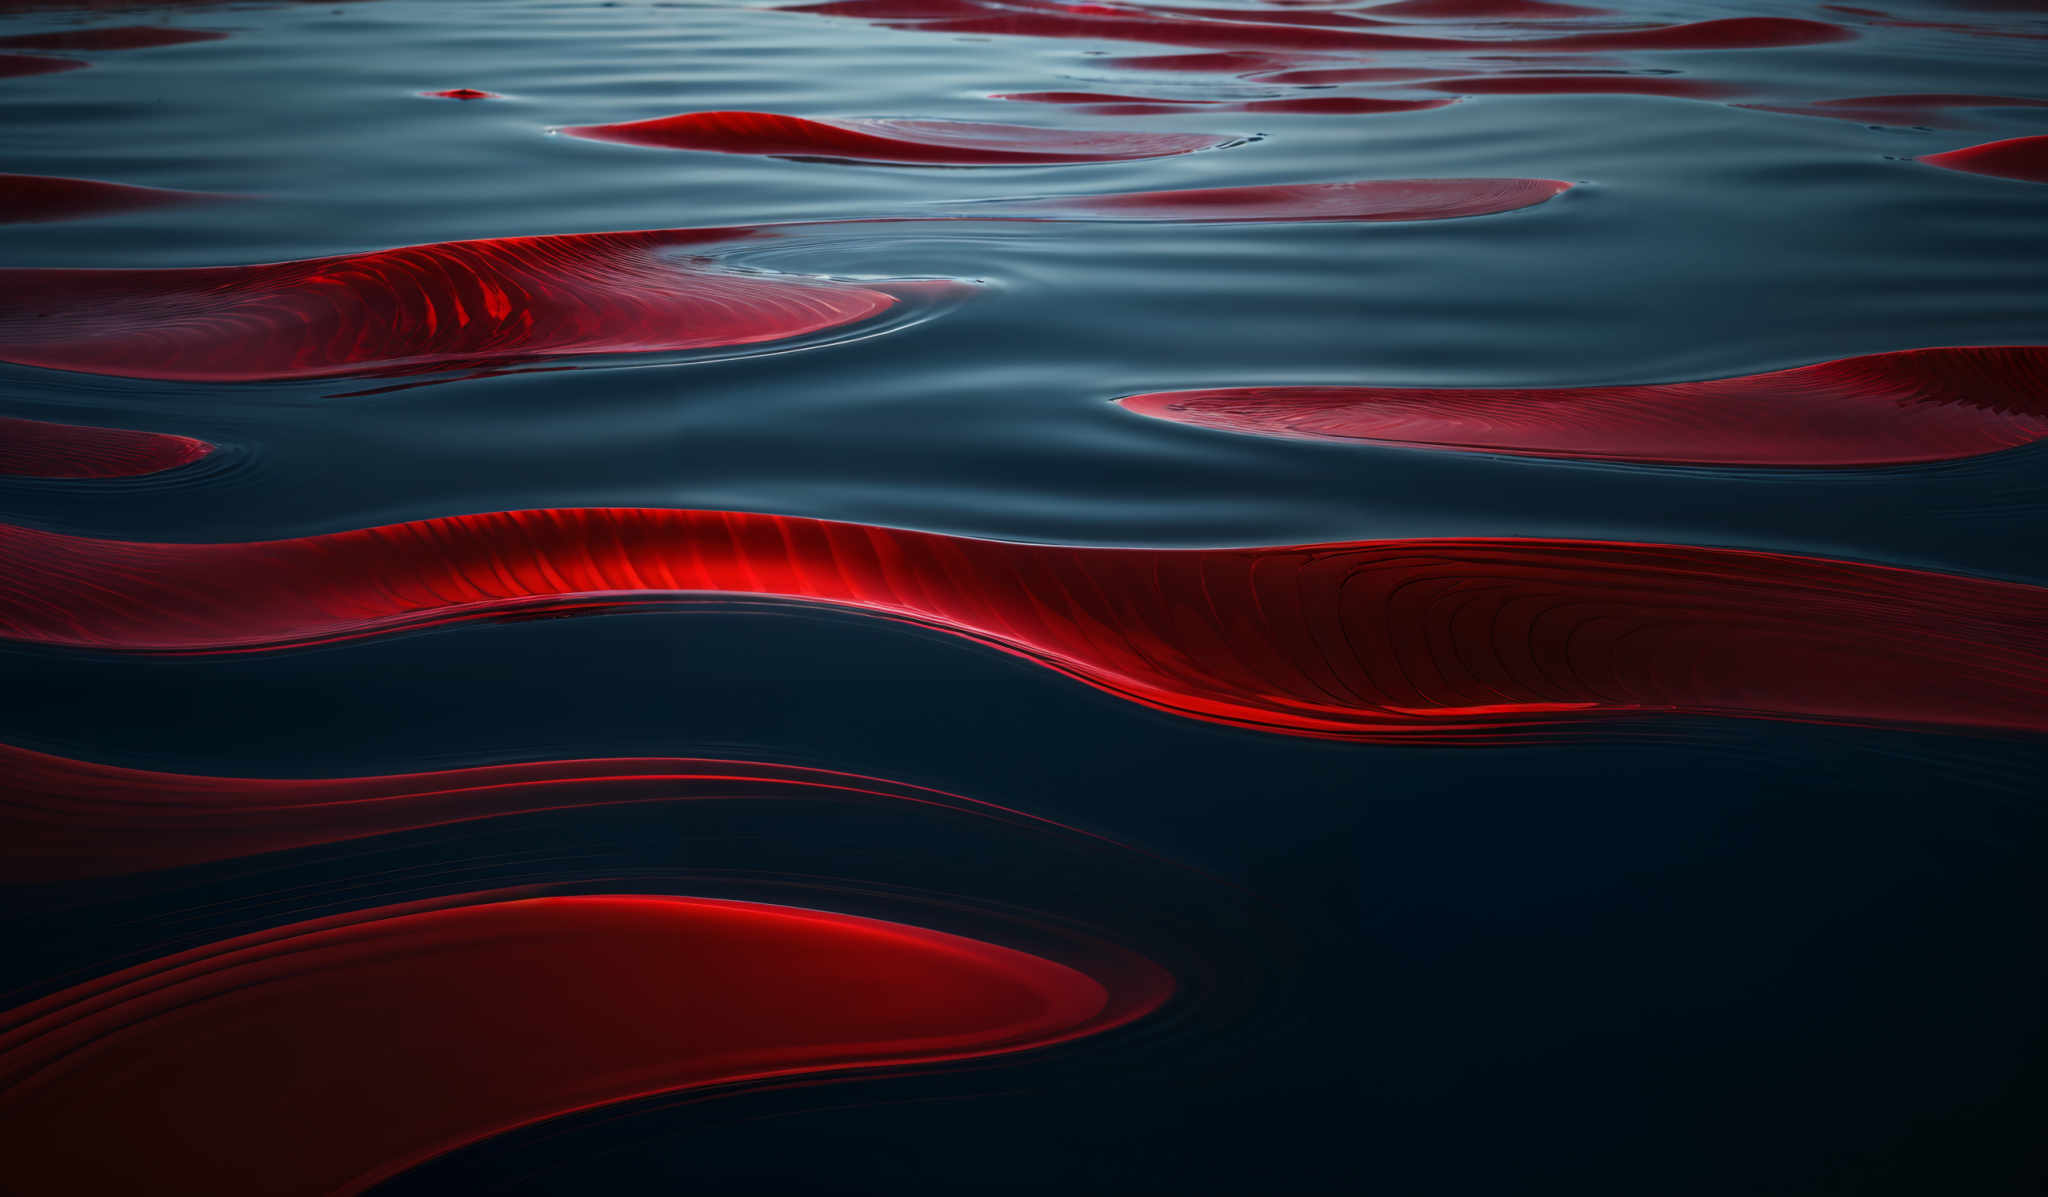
[1682,957]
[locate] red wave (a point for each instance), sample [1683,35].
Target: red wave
[462,93]
[1633,85]
[944,143]
[2021,158]
[328,1055]
[113,37]
[16,66]
[1466,10]
[66,819]
[1229,63]
[28,198]
[1368,640]
[1320,76]
[1341,105]
[1884,409]
[36,449]
[424,307]
[1248,31]
[1918,109]
[1374,199]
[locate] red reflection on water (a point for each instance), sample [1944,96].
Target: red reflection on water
[1373,199]
[424,307]
[2021,158]
[112,37]
[1922,108]
[1632,85]
[38,449]
[1883,409]
[26,198]
[462,93]
[943,143]
[67,819]
[15,66]
[1368,640]
[327,1055]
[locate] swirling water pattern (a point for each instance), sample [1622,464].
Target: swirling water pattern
[1297,596]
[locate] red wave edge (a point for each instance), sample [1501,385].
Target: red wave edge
[1369,199]
[899,142]
[329,1055]
[32,198]
[40,449]
[1900,408]
[2024,159]
[68,820]
[1373,640]
[420,308]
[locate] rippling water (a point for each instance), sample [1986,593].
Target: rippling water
[1628,794]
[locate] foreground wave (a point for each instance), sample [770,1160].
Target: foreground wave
[328,1055]
[1918,405]
[40,449]
[904,142]
[1367,640]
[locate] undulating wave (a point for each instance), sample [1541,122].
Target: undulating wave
[1916,405]
[19,66]
[423,307]
[904,142]
[68,819]
[2021,158]
[110,37]
[42,449]
[325,1056]
[1409,639]
[26,198]
[1370,199]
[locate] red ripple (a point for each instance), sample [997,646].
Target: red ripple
[66,820]
[941,143]
[1467,10]
[116,37]
[328,1055]
[1391,640]
[1314,77]
[1375,199]
[425,307]
[27,198]
[16,66]
[1919,109]
[1327,105]
[1884,409]
[36,449]
[1231,63]
[1633,85]
[2021,158]
[462,93]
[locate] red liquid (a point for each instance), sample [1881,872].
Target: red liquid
[38,449]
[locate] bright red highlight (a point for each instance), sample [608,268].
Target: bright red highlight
[1373,199]
[462,93]
[1885,409]
[424,307]
[1366,640]
[38,449]
[937,143]
[66,820]
[2021,158]
[325,1056]
[27,198]
[113,37]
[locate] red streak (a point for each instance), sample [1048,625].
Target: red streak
[1920,109]
[36,449]
[462,93]
[1885,409]
[1376,199]
[329,1055]
[1633,85]
[16,66]
[116,37]
[2021,158]
[28,198]
[943,143]
[66,819]
[1467,10]
[425,307]
[1367,640]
